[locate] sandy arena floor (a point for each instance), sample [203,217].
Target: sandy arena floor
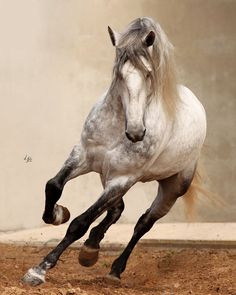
[149,271]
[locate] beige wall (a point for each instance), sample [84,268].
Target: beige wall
[56,60]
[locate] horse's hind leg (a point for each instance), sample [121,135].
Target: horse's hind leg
[89,252]
[169,190]
[74,166]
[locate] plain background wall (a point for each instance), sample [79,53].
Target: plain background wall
[56,60]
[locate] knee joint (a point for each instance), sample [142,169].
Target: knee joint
[78,226]
[147,220]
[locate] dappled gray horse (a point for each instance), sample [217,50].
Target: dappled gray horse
[144,128]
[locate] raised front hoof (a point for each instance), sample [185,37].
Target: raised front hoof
[60,215]
[33,277]
[112,279]
[88,256]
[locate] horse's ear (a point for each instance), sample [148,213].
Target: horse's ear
[150,38]
[114,36]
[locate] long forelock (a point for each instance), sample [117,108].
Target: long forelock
[131,47]
[134,52]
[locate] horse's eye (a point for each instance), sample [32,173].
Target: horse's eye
[148,75]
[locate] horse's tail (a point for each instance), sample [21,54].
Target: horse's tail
[191,195]
[197,189]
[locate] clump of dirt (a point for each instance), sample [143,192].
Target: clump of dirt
[149,271]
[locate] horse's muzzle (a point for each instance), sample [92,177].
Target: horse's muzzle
[134,137]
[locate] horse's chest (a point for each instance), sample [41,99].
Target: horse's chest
[116,152]
[108,147]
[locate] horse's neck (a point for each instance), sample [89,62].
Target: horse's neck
[155,112]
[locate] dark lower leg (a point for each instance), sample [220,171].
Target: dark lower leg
[89,253]
[80,225]
[74,166]
[169,190]
[53,191]
[76,230]
[97,233]
[144,224]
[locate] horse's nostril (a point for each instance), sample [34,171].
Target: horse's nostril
[135,137]
[128,136]
[144,132]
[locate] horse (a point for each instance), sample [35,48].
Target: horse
[146,127]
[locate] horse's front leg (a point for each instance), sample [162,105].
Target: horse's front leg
[74,166]
[78,227]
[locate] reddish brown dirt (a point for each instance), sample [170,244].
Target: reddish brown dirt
[149,271]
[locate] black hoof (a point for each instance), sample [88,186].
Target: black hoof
[88,256]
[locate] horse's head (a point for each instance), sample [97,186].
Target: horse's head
[134,98]
[142,70]
[133,74]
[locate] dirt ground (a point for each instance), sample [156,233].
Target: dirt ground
[149,271]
